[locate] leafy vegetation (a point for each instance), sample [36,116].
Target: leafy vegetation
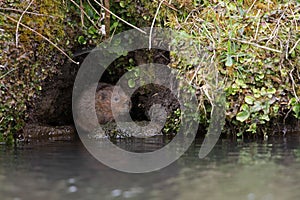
[249,49]
[255,46]
[252,46]
[27,59]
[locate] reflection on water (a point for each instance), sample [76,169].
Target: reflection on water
[250,170]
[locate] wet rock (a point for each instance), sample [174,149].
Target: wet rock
[43,132]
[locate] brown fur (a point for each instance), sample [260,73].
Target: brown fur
[103,98]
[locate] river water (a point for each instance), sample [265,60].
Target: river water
[235,169]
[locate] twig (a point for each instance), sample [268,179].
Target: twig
[275,30]
[251,7]
[257,45]
[94,9]
[195,74]
[27,12]
[153,22]
[287,114]
[19,21]
[208,35]
[257,27]
[294,47]
[295,19]
[81,14]
[45,38]
[103,7]
[101,16]
[113,33]
[86,15]
[169,5]
[287,46]
[13,69]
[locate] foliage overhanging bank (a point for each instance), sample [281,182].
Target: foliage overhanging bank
[252,47]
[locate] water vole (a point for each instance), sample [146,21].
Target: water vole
[103,103]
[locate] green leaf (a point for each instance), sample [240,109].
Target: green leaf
[131,83]
[125,53]
[92,30]
[229,61]
[114,25]
[232,6]
[137,72]
[293,54]
[261,76]
[249,100]
[252,128]
[245,107]
[242,116]
[256,107]
[271,90]
[275,108]
[122,4]
[264,118]
[296,109]
[263,91]
[239,134]
[81,40]
[241,83]
[293,101]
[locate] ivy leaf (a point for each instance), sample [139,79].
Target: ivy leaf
[249,100]
[257,106]
[296,109]
[245,107]
[137,72]
[293,101]
[264,118]
[131,83]
[243,115]
[122,4]
[239,134]
[271,90]
[81,40]
[252,128]
[92,30]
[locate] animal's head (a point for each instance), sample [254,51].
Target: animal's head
[120,101]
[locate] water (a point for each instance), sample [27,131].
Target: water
[249,170]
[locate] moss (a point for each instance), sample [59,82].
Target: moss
[24,67]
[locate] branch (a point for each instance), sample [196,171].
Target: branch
[294,47]
[107,19]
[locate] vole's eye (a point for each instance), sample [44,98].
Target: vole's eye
[116,99]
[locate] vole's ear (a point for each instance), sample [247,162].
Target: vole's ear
[101,86]
[102,95]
